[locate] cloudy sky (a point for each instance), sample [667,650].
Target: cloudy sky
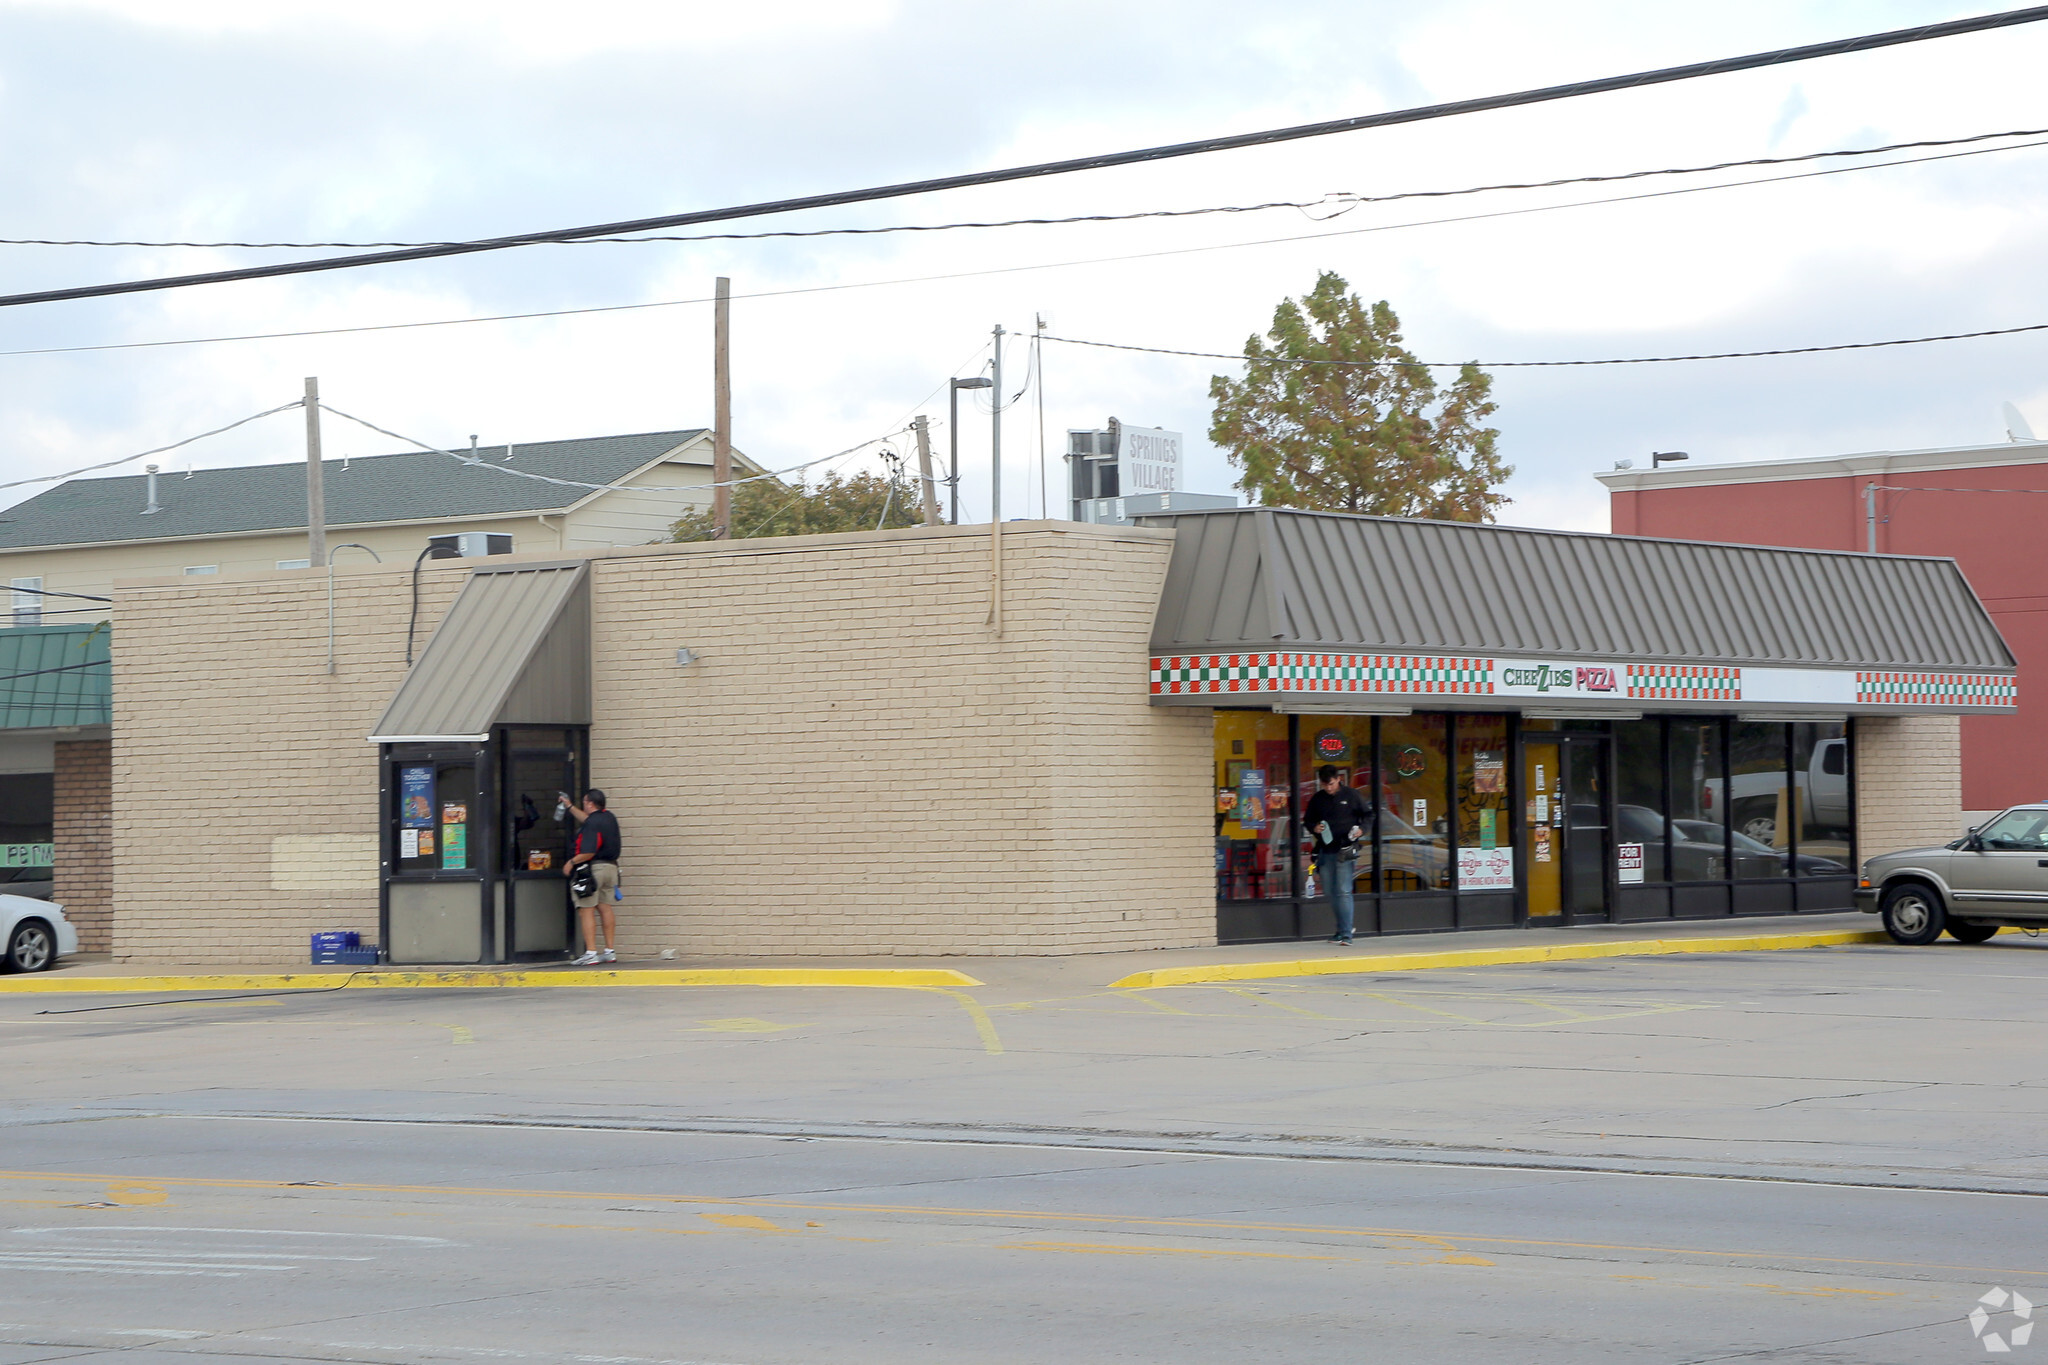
[347,120]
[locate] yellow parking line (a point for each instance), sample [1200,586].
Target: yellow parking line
[916,978]
[1484,957]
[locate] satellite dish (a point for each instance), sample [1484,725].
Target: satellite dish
[2016,427]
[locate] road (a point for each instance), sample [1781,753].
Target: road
[1791,1157]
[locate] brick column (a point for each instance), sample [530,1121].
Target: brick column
[83,822]
[1909,783]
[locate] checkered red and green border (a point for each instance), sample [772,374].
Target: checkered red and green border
[1365,674]
[1938,689]
[1684,682]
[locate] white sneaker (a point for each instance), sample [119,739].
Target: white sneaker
[589,959]
[610,956]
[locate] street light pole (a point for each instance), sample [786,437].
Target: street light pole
[995,438]
[953,387]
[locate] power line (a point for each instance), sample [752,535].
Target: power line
[1343,201]
[992,270]
[1572,90]
[479,463]
[66,668]
[1556,364]
[130,459]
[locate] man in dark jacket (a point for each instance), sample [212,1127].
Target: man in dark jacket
[597,843]
[1337,821]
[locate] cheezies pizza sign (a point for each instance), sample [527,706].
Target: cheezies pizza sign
[1517,677]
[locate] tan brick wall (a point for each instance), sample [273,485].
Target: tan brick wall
[83,808]
[854,765]
[230,736]
[1909,782]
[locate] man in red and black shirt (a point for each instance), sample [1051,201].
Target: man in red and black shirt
[597,843]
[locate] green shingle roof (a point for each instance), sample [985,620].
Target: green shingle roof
[55,675]
[360,491]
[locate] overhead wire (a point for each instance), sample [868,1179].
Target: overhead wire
[1202,146]
[130,459]
[987,271]
[1344,201]
[1554,364]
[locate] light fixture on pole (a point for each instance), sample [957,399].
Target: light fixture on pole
[1658,458]
[953,387]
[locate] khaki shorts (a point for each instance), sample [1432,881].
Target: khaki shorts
[607,880]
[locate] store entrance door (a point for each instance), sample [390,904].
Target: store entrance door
[1566,837]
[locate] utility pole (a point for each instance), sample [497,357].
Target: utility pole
[1870,517]
[1038,378]
[924,470]
[316,491]
[721,410]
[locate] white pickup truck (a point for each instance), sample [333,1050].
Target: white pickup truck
[1752,799]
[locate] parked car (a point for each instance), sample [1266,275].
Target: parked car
[1751,800]
[1994,876]
[34,934]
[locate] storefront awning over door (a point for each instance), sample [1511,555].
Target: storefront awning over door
[513,650]
[1313,610]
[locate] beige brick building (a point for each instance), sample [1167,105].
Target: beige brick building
[824,746]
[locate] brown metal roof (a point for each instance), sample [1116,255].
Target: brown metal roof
[513,650]
[1256,577]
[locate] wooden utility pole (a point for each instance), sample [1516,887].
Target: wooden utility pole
[721,407]
[924,470]
[316,492]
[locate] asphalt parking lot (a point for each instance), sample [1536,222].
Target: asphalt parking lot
[1816,1155]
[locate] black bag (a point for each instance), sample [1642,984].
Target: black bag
[583,882]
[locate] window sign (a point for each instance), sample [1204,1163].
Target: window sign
[454,846]
[1490,771]
[1628,863]
[408,843]
[1486,869]
[1251,798]
[416,798]
[1489,830]
[1421,820]
[28,855]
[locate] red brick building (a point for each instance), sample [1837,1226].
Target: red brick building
[1984,506]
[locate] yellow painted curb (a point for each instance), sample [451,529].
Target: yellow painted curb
[1486,957]
[915,978]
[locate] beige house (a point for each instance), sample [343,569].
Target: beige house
[82,535]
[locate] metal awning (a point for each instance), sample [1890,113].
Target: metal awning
[1265,600]
[513,650]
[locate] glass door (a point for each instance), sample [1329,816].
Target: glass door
[1589,837]
[1543,828]
[538,834]
[1567,842]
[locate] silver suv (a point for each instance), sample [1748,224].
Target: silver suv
[1995,875]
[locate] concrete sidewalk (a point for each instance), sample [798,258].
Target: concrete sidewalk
[1128,970]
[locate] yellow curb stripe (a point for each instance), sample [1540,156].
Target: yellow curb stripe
[915,978]
[1486,957]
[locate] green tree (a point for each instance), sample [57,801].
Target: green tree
[770,507]
[1377,435]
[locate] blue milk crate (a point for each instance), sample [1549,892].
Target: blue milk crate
[340,946]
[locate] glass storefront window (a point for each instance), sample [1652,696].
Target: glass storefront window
[1757,797]
[1415,794]
[1820,764]
[1639,815]
[1254,816]
[1699,812]
[1486,860]
[1343,743]
[436,803]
